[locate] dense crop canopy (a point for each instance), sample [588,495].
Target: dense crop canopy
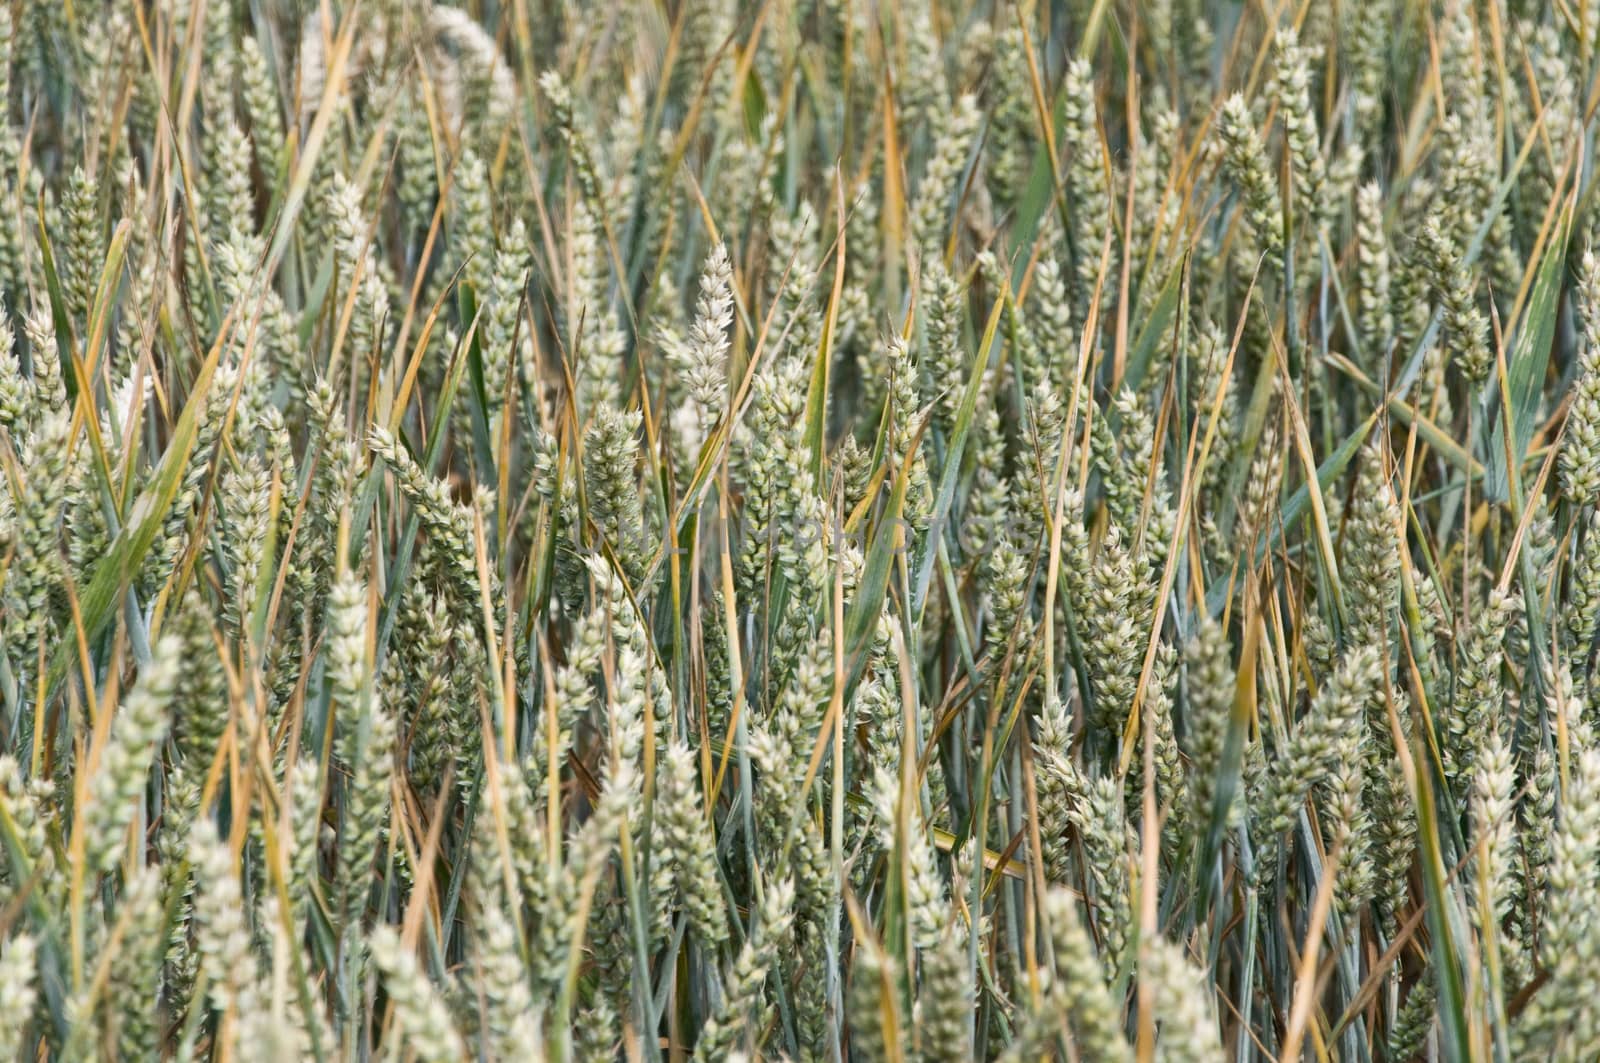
[854,529]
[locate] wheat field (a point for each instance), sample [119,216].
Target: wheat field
[804,529]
